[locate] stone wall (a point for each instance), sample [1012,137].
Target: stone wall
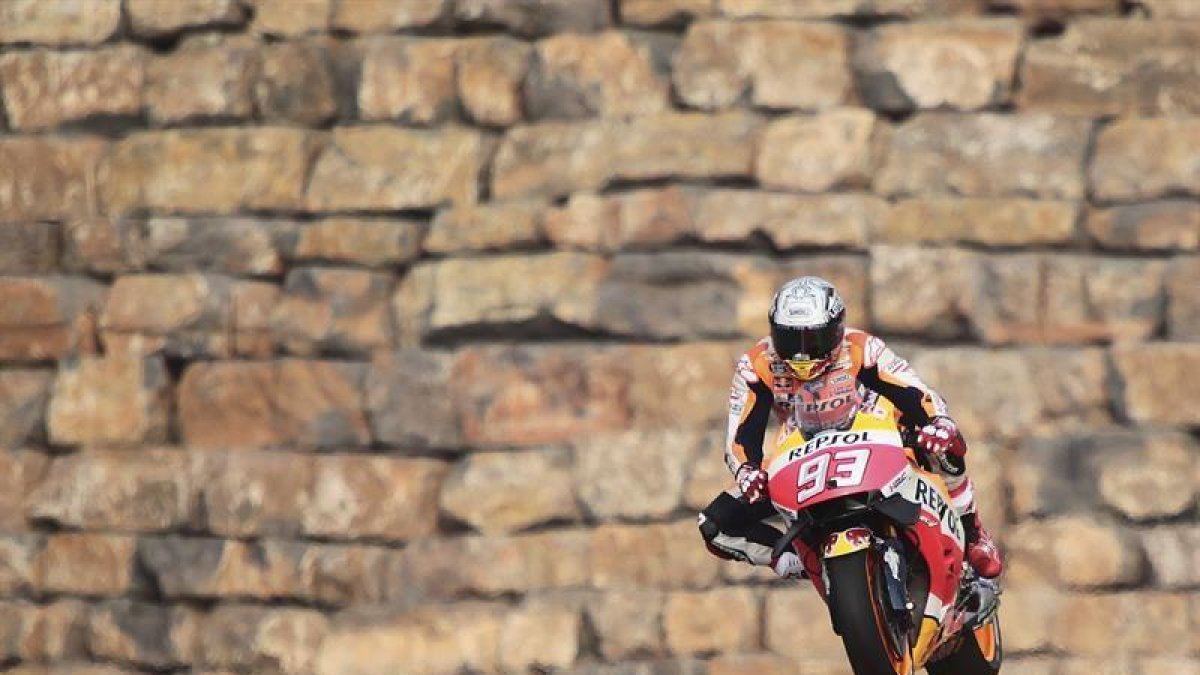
[360,337]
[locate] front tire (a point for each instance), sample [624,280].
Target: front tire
[874,645]
[980,653]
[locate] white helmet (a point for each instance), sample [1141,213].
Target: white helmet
[808,320]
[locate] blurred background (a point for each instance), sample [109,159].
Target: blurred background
[371,337]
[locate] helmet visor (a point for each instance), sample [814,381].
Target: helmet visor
[809,343]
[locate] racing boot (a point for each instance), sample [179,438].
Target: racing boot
[981,549]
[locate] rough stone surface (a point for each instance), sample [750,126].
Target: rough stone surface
[49,178]
[1159,484]
[152,17]
[407,395]
[540,635]
[208,171]
[1145,159]
[383,168]
[725,619]
[24,395]
[589,75]
[479,228]
[87,22]
[376,497]
[654,556]
[379,16]
[628,622]
[37,315]
[963,64]
[372,242]
[1166,225]
[150,635]
[986,155]
[1109,66]
[85,564]
[536,17]
[554,158]
[207,77]
[305,403]
[292,17]
[260,639]
[632,475]
[30,248]
[20,472]
[110,400]
[1183,306]
[659,12]
[988,222]
[45,88]
[835,149]
[296,83]
[790,632]
[776,64]
[333,310]
[409,80]
[1148,370]
[490,491]
[488,77]
[812,9]
[1172,554]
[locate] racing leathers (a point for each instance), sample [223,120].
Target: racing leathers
[864,367]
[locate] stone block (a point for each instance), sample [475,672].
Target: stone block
[292,18]
[430,638]
[920,290]
[146,490]
[24,395]
[111,400]
[986,155]
[976,383]
[788,221]
[1037,604]
[1080,394]
[632,474]
[720,620]
[96,244]
[208,170]
[286,402]
[660,555]
[651,13]
[1086,553]
[296,83]
[409,80]
[1156,226]
[382,16]
[515,289]
[814,9]
[18,559]
[638,218]
[680,386]
[369,167]
[146,634]
[44,178]
[1147,371]
[37,315]
[556,158]
[1183,303]
[253,493]
[1114,67]
[776,64]
[30,248]
[85,564]
[540,635]
[1173,554]
[838,148]
[1148,158]
[606,74]
[628,623]
[530,18]
[536,395]
[491,491]
[208,76]
[43,89]
[409,400]
[669,295]
[40,634]
[1156,482]
[261,639]
[1147,623]
[960,64]
[344,311]
[386,498]
[1171,9]
[488,77]
[485,227]
[243,246]
[796,626]
[982,221]
[1055,9]
[152,18]
[20,472]
[88,22]
[370,242]
[759,664]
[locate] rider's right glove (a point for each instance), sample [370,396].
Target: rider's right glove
[752,481]
[942,439]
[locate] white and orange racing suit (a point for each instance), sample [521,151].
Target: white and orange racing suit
[864,368]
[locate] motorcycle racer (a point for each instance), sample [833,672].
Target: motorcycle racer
[816,374]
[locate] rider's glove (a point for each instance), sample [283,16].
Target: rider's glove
[941,438]
[752,481]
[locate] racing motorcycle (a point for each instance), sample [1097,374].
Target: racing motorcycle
[880,541]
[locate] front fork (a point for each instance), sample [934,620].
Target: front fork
[895,568]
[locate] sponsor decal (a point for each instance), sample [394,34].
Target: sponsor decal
[830,440]
[929,496]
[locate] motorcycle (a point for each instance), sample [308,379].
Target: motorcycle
[882,544]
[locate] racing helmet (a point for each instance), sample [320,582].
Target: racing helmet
[808,320]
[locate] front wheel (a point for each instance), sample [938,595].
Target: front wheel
[874,645]
[980,653]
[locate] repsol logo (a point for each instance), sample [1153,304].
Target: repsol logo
[827,404]
[929,496]
[827,440]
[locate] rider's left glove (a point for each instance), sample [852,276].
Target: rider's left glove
[752,482]
[942,439]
